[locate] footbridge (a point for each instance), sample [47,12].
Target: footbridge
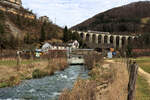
[118,41]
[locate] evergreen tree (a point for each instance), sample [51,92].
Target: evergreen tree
[1,36]
[129,50]
[1,29]
[27,39]
[75,36]
[42,38]
[66,34]
[146,39]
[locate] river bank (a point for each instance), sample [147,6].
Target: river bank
[11,74]
[45,88]
[108,81]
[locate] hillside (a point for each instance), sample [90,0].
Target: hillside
[23,28]
[134,17]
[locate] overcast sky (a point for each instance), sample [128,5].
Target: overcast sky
[71,12]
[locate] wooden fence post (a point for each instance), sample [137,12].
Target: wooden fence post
[132,80]
[18,60]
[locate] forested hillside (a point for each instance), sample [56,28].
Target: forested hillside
[133,18]
[17,30]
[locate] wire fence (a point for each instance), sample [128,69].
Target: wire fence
[132,68]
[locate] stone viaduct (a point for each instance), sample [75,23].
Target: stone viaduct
[118,41]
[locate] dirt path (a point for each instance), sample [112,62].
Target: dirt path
[141,72]
[145,75]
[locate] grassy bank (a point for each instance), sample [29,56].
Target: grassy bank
[13,62]
[144,63]
[143,88]
[11,74]
[105,83]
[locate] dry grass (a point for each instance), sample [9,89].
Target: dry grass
[82,90]
[85,89]
[118,89]
[13,75]
[92,58]
[108,81]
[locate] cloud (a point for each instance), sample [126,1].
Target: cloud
[71,12]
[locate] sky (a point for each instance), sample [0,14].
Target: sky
[71,12]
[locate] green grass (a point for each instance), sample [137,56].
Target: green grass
[145,67]
[4,84]
[144,63]
[143,88]
[143,59]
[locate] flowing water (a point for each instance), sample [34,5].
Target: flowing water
[47,88]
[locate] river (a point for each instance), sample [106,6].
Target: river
[47,88]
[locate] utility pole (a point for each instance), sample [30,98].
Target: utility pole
[55,20]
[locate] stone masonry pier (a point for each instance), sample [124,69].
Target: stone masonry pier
[95,37]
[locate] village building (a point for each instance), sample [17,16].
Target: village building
[60,46]
[44,19]
[46,47]
[73,44]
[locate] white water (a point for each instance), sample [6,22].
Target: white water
[47,88]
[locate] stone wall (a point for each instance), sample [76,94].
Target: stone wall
[15,3]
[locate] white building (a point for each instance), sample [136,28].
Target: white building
[46,47]
[74,44]
[44,19]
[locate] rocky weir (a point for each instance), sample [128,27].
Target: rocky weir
[47,88]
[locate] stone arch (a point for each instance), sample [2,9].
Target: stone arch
[123,41]
[82,35]
[105,39]
[99,39]
[135,39]
[88,37]
[94,38]
[129,40]
[111,39]
[117,41]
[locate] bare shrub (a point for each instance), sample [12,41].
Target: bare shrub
[101,74]
[83,90]
[92,58]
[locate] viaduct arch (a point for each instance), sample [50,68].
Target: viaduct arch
[118,41]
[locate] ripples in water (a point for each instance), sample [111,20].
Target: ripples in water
[47,88]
